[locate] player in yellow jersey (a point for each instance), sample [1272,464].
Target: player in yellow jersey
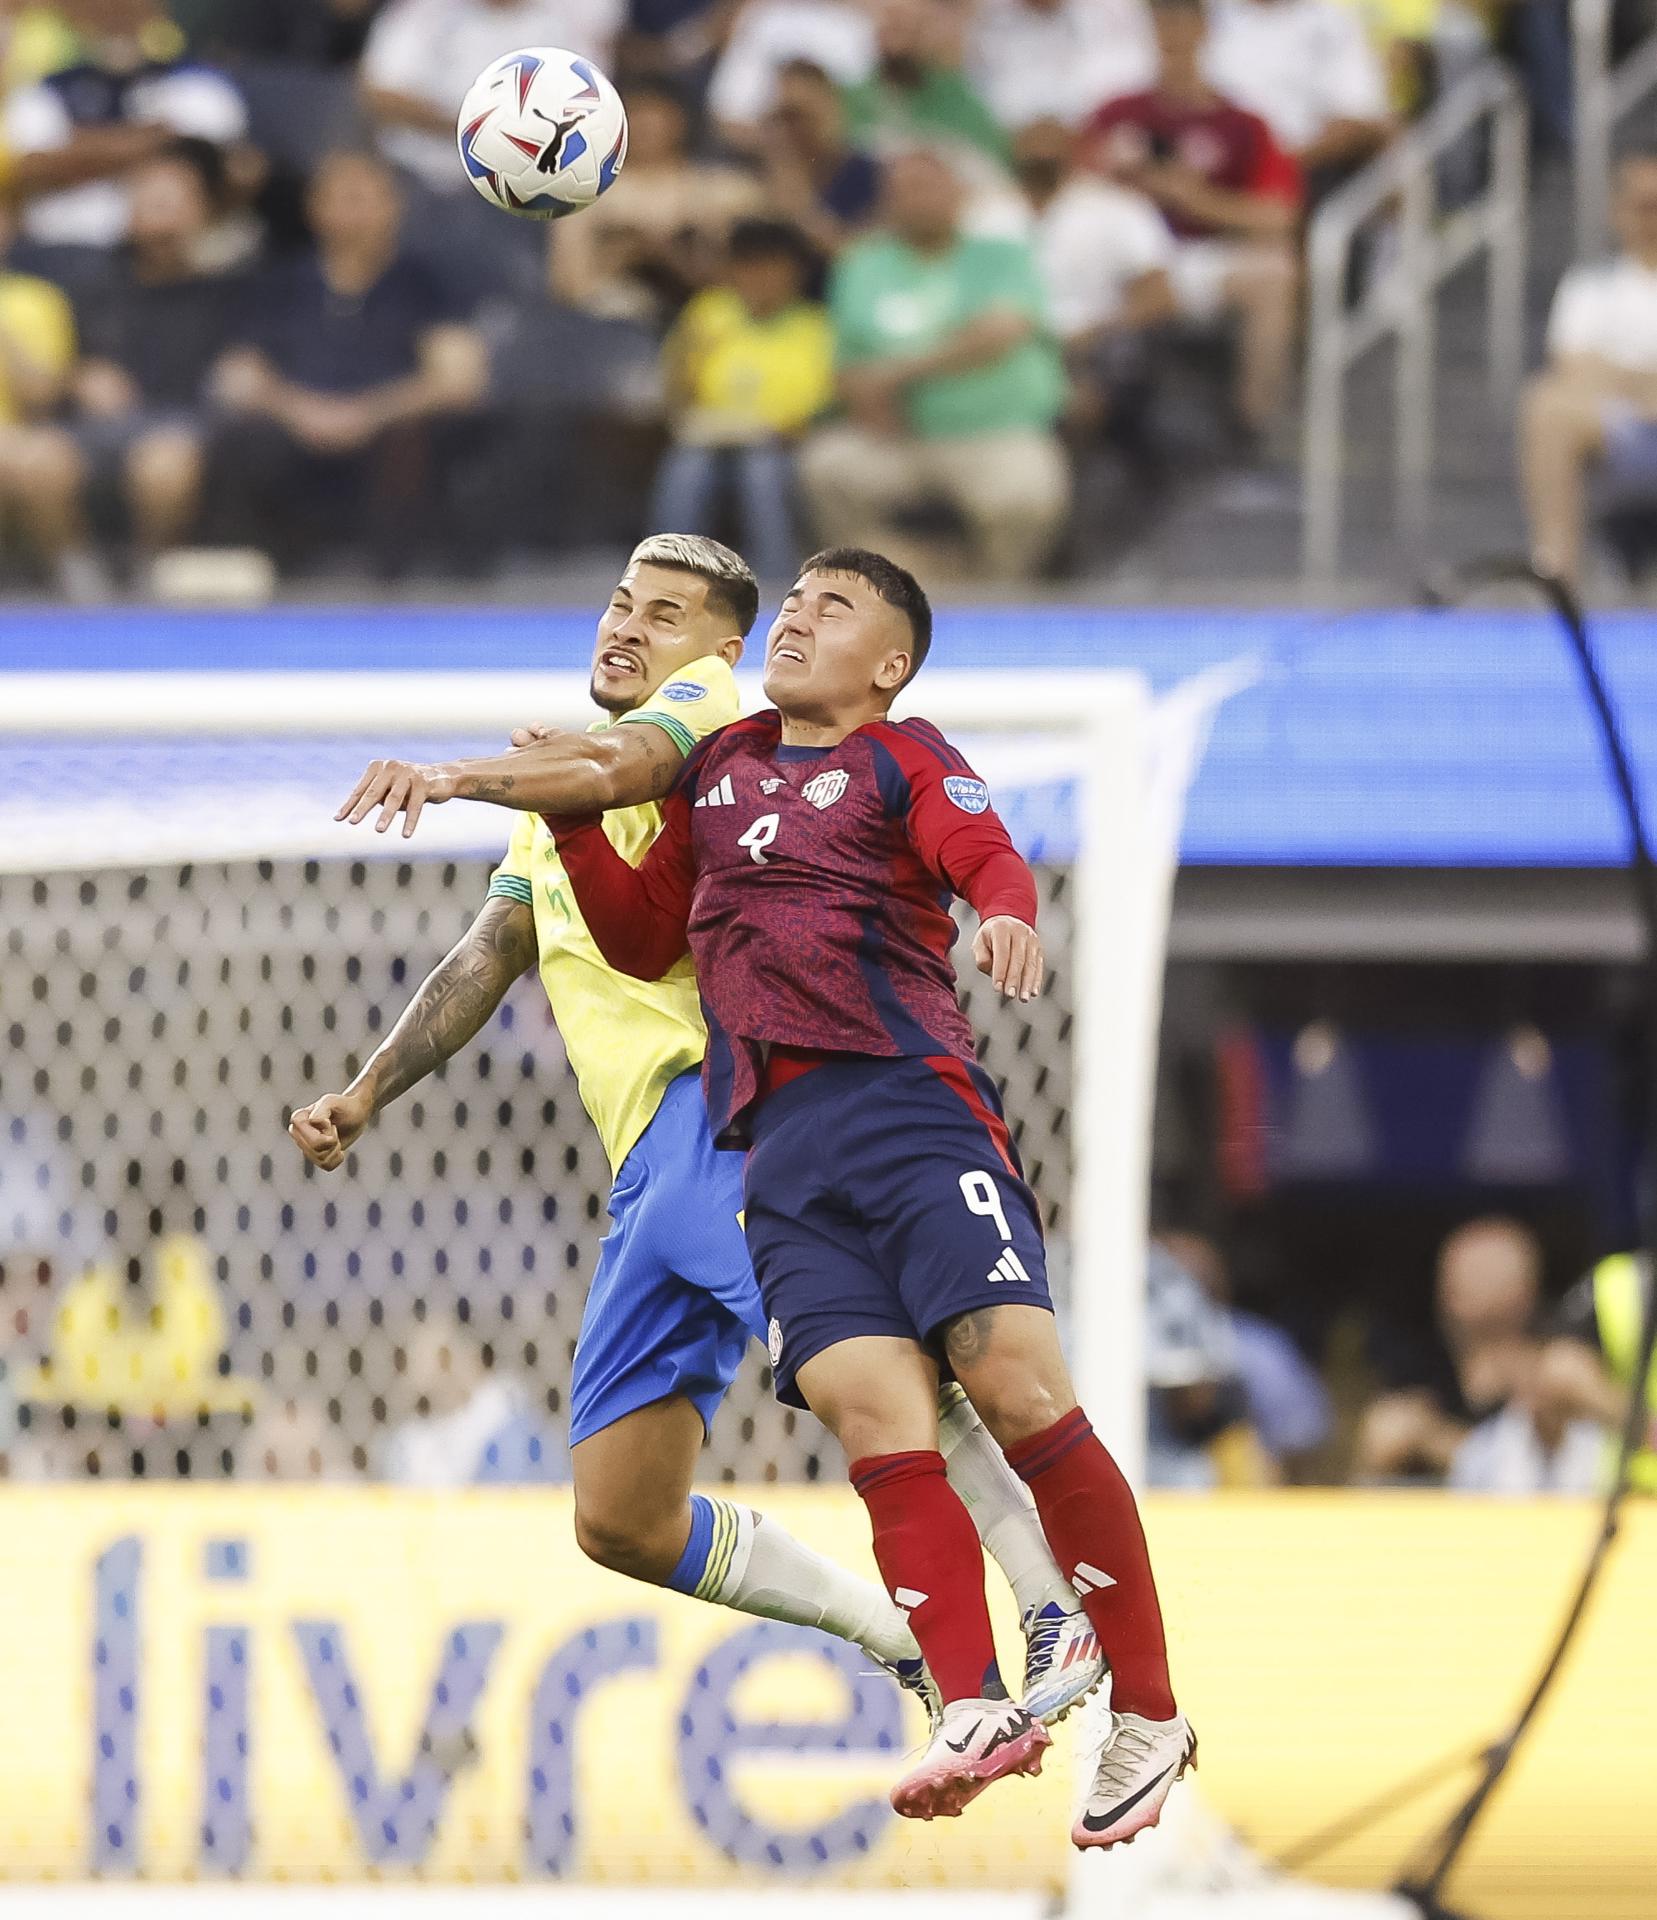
[673,1301]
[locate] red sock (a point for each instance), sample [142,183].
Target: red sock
[928,1553]
[1088,1514]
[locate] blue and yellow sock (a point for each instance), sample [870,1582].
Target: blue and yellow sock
[705,1564]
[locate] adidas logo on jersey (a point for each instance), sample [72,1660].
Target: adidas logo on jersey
[722,795]
[1008,1267]
[823,789]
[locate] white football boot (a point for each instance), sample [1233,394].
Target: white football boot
[1063,1661]
[1138,1765]
[976,1741]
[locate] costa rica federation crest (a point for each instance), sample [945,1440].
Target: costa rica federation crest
[823,789]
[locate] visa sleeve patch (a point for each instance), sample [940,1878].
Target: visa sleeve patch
[683,690]
[970,795]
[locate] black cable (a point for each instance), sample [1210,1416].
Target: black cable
[1440,1853]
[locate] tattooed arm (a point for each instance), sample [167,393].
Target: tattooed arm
[455,1002]
[554,773]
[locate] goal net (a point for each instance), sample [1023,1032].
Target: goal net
[272,1651]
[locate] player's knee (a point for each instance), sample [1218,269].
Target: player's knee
[1010,1363]
[612,1541]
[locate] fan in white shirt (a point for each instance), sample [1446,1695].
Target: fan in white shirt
[1103,252]
[422,55]
[768,35]
[1594,406]
[1031,59]
[1308,69]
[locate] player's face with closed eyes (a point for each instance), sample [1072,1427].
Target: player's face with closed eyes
[837,650]
[657,622]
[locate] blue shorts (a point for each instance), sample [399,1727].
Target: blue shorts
[886,1197]
[673,1302]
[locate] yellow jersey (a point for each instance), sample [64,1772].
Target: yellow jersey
[749,378]
[627,1039]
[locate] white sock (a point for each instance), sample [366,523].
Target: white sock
[762,1569]
[1000,1505]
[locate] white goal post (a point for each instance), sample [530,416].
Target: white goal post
[1088,729]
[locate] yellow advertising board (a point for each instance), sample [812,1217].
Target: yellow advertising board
[347,1683]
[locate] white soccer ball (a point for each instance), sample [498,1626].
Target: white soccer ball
[542,133]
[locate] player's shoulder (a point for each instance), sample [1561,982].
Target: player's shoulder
[919,743]
[923,762]
[754,732]
[707,681]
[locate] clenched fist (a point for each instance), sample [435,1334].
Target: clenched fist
[327,1129]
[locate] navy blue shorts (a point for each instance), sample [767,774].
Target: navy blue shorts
[886,1197]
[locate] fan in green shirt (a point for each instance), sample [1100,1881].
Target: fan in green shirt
[942,332]
[918,91]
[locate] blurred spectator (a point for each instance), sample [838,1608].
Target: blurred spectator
[1033,58]
[75,135]
[1591,1357]
[919,90]
[1489,1281]
[291,1440]
[813,174]
[1593,408]
[34,41]
[37,350]
[1104,254]
[1531,1446]
[950,380]
[422,55]
[1198,1424]
[1308,69]
[471,1426]
[312,33]
[151,329]
[660,232]
[768,36]
[1229,194]
[346,365]
[750,366]
[1287,1403]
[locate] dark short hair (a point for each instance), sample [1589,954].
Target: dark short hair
[733,592]
[201,158]
[770,240]
[896,585]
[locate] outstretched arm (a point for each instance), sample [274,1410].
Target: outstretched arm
[455,1002]
[639,916]
[556,772]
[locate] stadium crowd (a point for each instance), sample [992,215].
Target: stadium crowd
[900,270]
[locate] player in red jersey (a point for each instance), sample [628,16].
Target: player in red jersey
[806,860]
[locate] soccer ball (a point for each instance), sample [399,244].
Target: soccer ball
[542,133]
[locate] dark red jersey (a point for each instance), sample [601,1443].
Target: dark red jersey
[812,887]
[1229,147]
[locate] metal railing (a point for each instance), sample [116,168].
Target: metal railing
[1427,243]
[1603,97]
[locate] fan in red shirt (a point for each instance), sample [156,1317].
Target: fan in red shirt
[1229,192]
[806,860]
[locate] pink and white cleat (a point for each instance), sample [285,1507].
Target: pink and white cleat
[1138,1765]
[976,1742]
